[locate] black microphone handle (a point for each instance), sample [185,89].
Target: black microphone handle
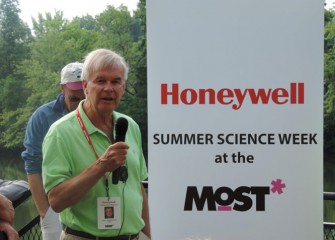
[121,126]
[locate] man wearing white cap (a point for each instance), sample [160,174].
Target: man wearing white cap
[38,125]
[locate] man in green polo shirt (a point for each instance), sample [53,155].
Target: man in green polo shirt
[80,157]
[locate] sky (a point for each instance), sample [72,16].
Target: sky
[330,4]
[70,8]
[78,8]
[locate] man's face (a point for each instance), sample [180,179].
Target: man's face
[72,97]
[105,89]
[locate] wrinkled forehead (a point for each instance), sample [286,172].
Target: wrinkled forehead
[108,73]
[108,67]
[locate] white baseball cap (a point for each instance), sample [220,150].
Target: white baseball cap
[71,76]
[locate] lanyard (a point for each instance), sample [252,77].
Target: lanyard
[83,128]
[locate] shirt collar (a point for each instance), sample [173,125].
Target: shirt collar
[59,105]
[88,124]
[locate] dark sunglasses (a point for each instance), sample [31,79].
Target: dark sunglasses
[75,98]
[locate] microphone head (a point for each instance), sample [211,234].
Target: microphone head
[121,126]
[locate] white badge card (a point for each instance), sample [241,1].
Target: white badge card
[109,213]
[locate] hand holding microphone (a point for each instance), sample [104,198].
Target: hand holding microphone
[115,155]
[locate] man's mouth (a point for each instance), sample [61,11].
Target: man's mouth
[108,98]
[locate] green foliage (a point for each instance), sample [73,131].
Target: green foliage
[12,100]
[14,36]
[329,81]
[86,22]
[31,64]
[50,49]
[115,28]
[48,23]
[139,66]
[15,123]
[41,82]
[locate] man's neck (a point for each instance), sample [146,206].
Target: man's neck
[102,121]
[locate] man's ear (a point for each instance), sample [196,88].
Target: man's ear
[62,88]
[85,87]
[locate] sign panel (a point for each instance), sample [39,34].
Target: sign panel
[235,104]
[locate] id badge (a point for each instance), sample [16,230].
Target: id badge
[109,213]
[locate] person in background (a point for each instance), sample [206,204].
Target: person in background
[38,125]
[7,219]
[80,154]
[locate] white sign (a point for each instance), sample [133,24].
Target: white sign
[235,103]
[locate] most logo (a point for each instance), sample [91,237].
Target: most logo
[224,198]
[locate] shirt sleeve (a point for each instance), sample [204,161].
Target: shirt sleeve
[55,167]
[35,132]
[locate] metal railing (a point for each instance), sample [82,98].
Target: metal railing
[32,230]
[329,227]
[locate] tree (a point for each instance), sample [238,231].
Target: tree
[115,28]
[135,103]
[14,39]
[14,36]
[57,43]
[329,99]
[86,22]
[329,81]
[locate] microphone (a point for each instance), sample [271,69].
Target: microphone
[121,126]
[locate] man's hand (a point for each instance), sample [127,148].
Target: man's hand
[114,156]
[6,210]
[9,231]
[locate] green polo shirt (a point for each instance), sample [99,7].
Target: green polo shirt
[66,153]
